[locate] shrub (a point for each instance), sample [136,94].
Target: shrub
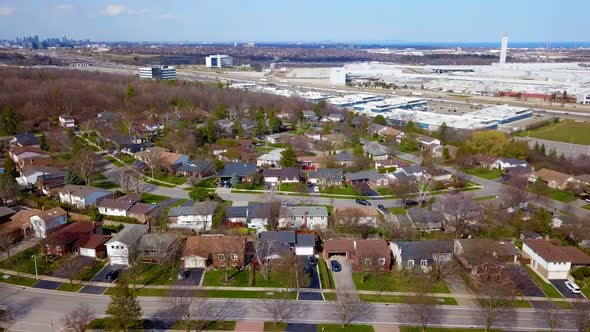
[578,274]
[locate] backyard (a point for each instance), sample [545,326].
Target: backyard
[392,282]
[567,131]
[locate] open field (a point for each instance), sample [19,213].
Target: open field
[567,131]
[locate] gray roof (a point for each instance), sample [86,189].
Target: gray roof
[130,235]
[280,237]
[26,139]
[154,241]
[197,209]
[259,210]
[239,169]
[344,156]
[403,177]
[283,173]
[418,250]
[236,212]
[32,169]
[376,127]
[307,240]
[422,215]
[197,166]
[375,149]
[412,169]
[300,211]
[329,174]
[364,175]
[6,211]
[83,191]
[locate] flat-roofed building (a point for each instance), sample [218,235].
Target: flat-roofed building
[158,73]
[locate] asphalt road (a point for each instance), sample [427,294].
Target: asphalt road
[41,310]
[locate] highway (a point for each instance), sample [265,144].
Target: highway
[40,310]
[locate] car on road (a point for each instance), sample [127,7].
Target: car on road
[573,287]
[336,267]
[313,260]
[183,275]
[112,274]
[411,203]
[382,208]
[362,202]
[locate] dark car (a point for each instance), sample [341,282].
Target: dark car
[411,203]
[336,267]
[362,202]
[313,260]
[228,184]
[222,184]
[381,207]
[112,274]
[183,275]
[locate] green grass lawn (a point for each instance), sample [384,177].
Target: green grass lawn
[293,187]
[155,274]
[14,280]
[272,327]
[385,191]
[88,272]
[24,262]
[143,292]
[345,190]
[114,161]
[177,180]
[587,207]
[330,296]
[562,196]
[127,159]
[392,282]
[248,186]
[67,287]
[547,288]
[231,294]
[240,279]
[179,203]
[104,185]
[484,173]
[397,210]
[208,183]
[264,149]
[484,198]
[348,328]
[567,131]
[326,274]
[444,329]
[152,199]
[406,299]
[159,184]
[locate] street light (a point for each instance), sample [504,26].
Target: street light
[35,261]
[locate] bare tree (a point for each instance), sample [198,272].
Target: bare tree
[69,269]
[401,189]
[280,307]
[8,189]
[130,180]
[582,318]
[6,243]
[6,318]
[192,307]
[516,195]
[265,253]
[133,255]
[227,254]
[78,319]
[369,266]
[397,230]
[553,319]
[153,159]
[274,204]
[87,164]
[421,305]
[348,307]
[422,186]
[497,292]
[443,265]
[291,268]
[459,211]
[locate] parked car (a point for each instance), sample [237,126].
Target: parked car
[336,267]
[313,260]
[573,287]
[316,189]
[411,203]
[363,202]
[228,184]
[382,208]
[112,274]
[183,275]
[222,184]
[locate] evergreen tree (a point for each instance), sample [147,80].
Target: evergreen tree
[43,143]
[260,123]
[552,154]
[542,149]
[446,154]
[380,119]
[536,147]
[410,127]
[10,168]
[220,112]
[8,120]
[124,312]
[274,124]
[288,157]
[443,133]
[130,91]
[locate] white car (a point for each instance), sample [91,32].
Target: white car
[572,287]
[316,189]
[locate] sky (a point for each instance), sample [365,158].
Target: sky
[297,20]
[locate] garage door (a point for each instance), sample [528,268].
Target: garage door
[88,252]
[194,262]
[118,260]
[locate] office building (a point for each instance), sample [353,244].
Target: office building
[158,72]
[219,61]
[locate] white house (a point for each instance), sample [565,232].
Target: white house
[546,259]
[82,196]
[198,217]
[274,176]
[504,163]
[305,245]
[30,174]
[118,246]
[117,207]
[271,158]
[44,221]
[306,217]
[67,121]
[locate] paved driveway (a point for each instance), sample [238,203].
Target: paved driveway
[366,190]
[343,279]
[314,282]
[97,290]
[523,282]
[102,275]
[46,284]
[194,278]
[559,284]
[78,263]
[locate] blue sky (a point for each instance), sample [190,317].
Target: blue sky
[298,20]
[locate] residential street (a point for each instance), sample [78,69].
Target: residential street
[39,310]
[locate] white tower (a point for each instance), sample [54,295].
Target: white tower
[504,48]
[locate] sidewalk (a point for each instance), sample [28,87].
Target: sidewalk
[457,286]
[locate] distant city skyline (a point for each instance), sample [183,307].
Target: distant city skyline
[302,21]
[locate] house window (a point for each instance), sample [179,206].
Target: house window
[423,263]
[234,257]
[381,261]
[112,247]
[368,261]
[410,263]
[220,256]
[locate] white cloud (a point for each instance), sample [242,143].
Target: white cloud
[5,11]
[114,9]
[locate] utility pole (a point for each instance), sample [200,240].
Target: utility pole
[36,272]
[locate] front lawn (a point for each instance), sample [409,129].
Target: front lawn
[209,325]
[155,274]
[67,287]
[104,185]
[114,161]
[385,191]
[155,292]
[347,328]
[345,190]
[159,184]
[587,207]
[272,327]
[397,210]
[560,195]
[152,199]
[547,288]
[325,274]
[484,173]
[231,294]
[393,282]
[407,299]
[24,262]
[240,279]
[208,183]
[89,271]
[249,186]
[177,180]
[127,159]
[292,187]
[23,281]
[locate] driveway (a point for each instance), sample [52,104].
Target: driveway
[314,282]
[343,279]
[78,263]
[102,275]
[194,278]
[559,284]
[46,284]
[366,190]
[523,282]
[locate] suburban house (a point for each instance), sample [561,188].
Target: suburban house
[372,178]
[23,155]
[126,206]
[311,163]
[19,225]
[375,129]
[305,245]
[238,171]
[237,215]
[45,221]
[64,240]
[310,116]
[93,245]
[288,238]
[5,214]
[480,256]
[30,173]
[413,170]
[546,259]
[258,215]
[373,254]
[357,215]
[169,160]
[584,179]
[426,220]
[391,162]
[345,158]
[214,251]
[553,179]
[200,168]
[25,140]
[128,238]
[198,217]
[277,138]
[157,248]
[326,177]
[338,140]
[423,254]
[334,117]
[49,184]
[427,143]
[505,163]
[565,220]
[439,151]
[305,217]
[82,196]
[274,176]
[440,175]
[376,151]
[270,159]
[67,121]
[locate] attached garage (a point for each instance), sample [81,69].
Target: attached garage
[92,245]
[342,248]
[88,252]
[195,262]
